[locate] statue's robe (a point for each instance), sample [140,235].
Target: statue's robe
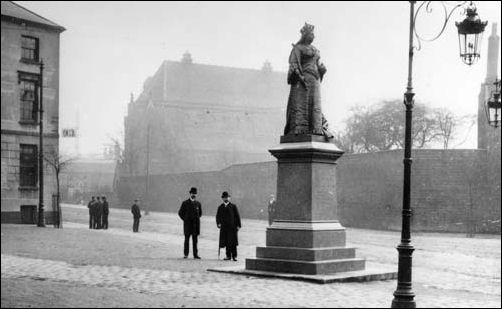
[304,115]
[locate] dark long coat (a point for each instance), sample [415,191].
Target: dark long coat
[106,209]
[190,212]
[90,205]
[229,219]
[99,209]
[135,211]
[93,208]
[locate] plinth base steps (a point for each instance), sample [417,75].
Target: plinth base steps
[371,273]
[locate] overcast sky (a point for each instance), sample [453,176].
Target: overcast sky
[110,48]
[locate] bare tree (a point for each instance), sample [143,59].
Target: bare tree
[447,125]
[58,162]
[381,127]
[343,141]
[118,149]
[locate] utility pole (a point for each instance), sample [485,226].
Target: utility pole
[147,180]
[149,107]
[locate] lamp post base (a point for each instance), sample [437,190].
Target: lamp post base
[41,218]
[403,301]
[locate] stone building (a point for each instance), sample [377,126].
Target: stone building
[198,117]
[86,177]
[27,39]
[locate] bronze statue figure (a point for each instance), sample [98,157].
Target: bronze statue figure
[304,115]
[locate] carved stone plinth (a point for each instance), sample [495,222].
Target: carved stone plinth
[306,236]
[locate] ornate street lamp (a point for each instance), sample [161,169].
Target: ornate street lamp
[493,105]
[469,34]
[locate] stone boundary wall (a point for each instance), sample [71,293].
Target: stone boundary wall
[450,191]
[249,184]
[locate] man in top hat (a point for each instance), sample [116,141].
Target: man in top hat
[190,212]
[136,213]
[229,222]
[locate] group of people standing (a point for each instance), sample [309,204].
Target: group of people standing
[98,213]
[228,221]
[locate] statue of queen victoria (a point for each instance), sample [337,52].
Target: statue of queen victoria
[304,115]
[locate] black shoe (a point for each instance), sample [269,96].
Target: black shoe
[235,259]
[196,257]
[186,256]
[226,259]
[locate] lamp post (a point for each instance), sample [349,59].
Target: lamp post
[41,216]
[493,106]
[469,32]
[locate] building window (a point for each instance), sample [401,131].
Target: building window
[29,48]
[28,88]
[28,166]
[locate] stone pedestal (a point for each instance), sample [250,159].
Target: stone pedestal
[306,236]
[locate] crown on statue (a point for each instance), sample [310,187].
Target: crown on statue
[307,28]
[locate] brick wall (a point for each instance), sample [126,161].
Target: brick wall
[249,184]
[450,190]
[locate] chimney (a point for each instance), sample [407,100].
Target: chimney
[493,55]
[267,66]
[187,58]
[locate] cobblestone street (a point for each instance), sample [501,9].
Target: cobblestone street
[449,270]
[242,154]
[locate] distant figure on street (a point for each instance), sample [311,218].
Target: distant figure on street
[190,212]
[271,209]
[229,223]
[99,213]
[136,213]
[90,205]
[94,207]
[106,211]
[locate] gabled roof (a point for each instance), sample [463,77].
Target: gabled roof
[17,14]
[214,85]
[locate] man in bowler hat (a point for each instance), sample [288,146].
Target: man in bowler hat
[190,212]
[229,223]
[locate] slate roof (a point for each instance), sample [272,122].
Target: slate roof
[214,85]
[15,13]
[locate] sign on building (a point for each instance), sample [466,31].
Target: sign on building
[69,132]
